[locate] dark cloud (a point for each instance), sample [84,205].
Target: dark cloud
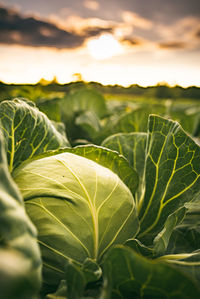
[29,31]
[15,29]
[131,41]
[172,45]
[95,31]
[197,33]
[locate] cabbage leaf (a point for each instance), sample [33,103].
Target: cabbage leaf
[20,262]
[79,207]
[27,131]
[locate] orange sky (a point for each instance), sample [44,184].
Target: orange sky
[135,47]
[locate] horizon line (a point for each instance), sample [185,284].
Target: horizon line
[55,81]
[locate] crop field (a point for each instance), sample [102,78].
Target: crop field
[99,193]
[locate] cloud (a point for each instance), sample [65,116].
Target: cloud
[161,10]
[96,31]
[136,20]
[184,27]
[197,33]
[68,30]
[90,4]
[31,31]
[131,41]
[182,34]
[81,26]
[172,45]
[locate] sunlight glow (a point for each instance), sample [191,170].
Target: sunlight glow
[104,47]
[20,64]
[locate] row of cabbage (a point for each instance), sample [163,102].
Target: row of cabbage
[88,116]
[116,216]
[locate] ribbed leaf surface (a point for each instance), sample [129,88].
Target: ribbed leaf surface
[27,132]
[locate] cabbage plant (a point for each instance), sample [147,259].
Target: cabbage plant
[79,207]
[118,220]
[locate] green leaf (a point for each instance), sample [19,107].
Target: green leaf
[84,99]
[172,175]
[79,207]
[132,146]
[83,281]
[111,160]
[162,239]
[60,127]
[187,263]
[103,156]
[133,118]
[50,106]
[61,292]
[28,132]
[135,121]
[89,123]
[20,263]
[129,275]
[75,105]
[186,236]
[16,279]
[124,122]
[171,171]
[187,116]
[91,270]
[75,281]
[140,248]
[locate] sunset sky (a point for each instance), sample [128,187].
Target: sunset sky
[108,41]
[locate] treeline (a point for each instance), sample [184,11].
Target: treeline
[157,91]
[161,91]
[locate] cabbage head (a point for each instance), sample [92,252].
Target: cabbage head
[79,207]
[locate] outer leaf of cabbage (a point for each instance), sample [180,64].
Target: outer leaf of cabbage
[128,274]
[20,262]
[79,207]
[27,131]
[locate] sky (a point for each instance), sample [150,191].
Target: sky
[124,42]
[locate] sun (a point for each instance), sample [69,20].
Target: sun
[103,47]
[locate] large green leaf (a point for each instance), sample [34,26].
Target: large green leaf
[126,122]
[135,121]
[130,275]
[132,146]
[27,131]
[84,99]
[20,263]
[133,118]
[51,107]
[103,156]
[188,116]
[186,236]
[188,263]
[172,175]
[111,160]
[169,171]
[76,106]
[79,207]
[89,123]
[161,241]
